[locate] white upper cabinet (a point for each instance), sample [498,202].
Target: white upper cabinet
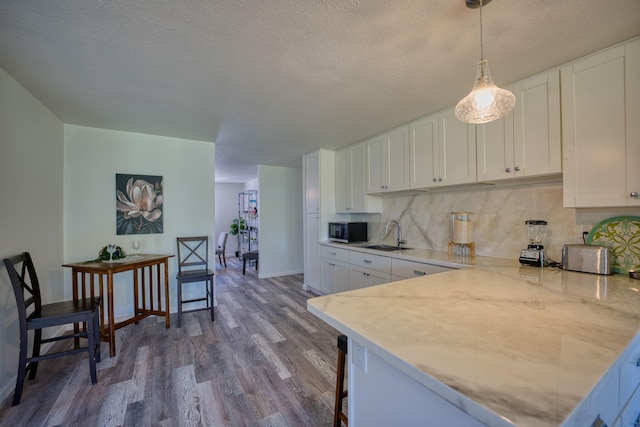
[312,182]
[526,142]
[424,168]
[456,150]
[442,151]
[388,161]
[601,128]
[351,194]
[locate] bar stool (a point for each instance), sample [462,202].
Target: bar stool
[341,393]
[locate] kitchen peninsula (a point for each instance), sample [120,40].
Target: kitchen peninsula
[491,345]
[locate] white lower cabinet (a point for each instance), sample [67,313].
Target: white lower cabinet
[402,269]
[364,277]
[335,269]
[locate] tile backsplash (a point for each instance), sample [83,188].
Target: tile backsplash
[499,216]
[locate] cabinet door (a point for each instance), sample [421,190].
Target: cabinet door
[343,181]
[495,149]
[358,190]
[328,275]
[456,150]
[600,129]
[312,267]
[423,153]
[536,127]
[312,182]
[397,152]
[377,179]
[335,276]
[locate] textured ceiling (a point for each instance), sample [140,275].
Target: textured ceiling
[270,80]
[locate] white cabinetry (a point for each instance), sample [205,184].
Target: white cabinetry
[351,178]
[601,129]
[526,142]
[388,161]
[319,206]
[368,270]
[335,269]
[442,151]
[403,269]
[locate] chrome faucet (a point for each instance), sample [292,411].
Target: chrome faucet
[400,242]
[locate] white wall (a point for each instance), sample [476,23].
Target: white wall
[31,211]
[227,211]
[280,207]
[94,156]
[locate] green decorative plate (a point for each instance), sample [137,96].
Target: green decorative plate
[622,235]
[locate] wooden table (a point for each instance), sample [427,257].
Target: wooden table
[147,272]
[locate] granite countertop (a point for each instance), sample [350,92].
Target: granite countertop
[509,345]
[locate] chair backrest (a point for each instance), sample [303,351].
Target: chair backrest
[193,253]
[26,287]
[222,240]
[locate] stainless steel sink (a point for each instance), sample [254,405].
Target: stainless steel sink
[386,248]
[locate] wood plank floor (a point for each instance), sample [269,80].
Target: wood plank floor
[265,361]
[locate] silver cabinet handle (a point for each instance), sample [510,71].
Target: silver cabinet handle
[440,179]
[635,195]
[367,261]
[638,362]
[517,168]
[333,253]
[435,179]
[366,274]
[508,170]
[331,264]
[419,273]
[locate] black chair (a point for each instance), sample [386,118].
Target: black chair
[193,267]
[251,256]
[33,315]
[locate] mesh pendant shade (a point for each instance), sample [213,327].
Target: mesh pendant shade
[486,102]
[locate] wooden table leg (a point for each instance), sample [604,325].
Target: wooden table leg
[112,328]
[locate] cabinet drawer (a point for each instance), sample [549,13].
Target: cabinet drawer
[365,277]
[334,253]
[373,262]
[630,374]
[411,269]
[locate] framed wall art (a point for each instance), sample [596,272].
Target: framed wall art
[139,201]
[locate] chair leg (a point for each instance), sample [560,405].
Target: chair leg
[224,258]
[96,334]
[179,304]
[91,349]
[22,371]
[37,342]
[244,265]
[338,414]
[211,298]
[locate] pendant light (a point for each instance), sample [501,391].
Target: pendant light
[486,102]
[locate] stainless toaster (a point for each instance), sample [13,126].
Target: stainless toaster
[587,258]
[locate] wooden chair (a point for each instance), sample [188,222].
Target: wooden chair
[193,267]
[341,393]
[33,315]
[221,248]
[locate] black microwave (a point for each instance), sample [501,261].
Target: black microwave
[348,232]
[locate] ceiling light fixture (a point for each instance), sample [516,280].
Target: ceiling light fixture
[486,102]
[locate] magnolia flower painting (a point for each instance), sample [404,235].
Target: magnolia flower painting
[139,204]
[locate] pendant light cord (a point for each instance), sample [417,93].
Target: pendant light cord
[481,48]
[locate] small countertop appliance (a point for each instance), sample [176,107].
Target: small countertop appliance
[534,254]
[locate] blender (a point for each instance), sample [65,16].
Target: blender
[534,254]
